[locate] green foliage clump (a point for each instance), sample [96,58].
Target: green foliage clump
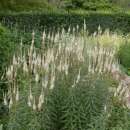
[119,117]
[3,30]
[85,104]
[78,3]
[97,6]
[124,55]
[91,5]
[6,46]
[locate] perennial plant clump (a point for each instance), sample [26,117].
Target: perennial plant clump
[65,83]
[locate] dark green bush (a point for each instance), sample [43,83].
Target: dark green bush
[78,3]
[7,44]
[3,30]
[124,55]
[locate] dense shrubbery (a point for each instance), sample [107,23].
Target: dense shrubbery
[124,55]
[28,5]
[89,5]
[30,21]
[24,5]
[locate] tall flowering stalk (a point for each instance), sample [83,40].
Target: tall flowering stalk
[40,68]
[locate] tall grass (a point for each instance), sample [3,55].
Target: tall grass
[65,83]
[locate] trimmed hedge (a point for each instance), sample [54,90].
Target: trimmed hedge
[29,21]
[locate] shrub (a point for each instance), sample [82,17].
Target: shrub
[3,30]
[124,55]
[78,3]
[88,5]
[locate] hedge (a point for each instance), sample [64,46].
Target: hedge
[29,21]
